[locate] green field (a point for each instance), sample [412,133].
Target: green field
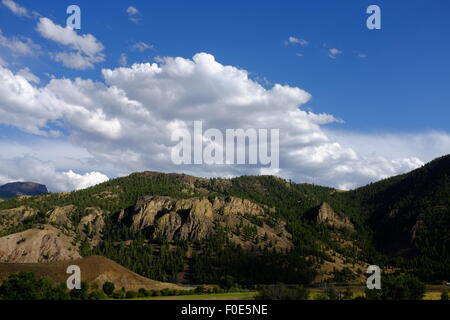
[433,293]
[213,296]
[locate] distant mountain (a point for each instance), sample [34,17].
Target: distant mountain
[16,189]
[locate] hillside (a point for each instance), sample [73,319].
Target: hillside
[94,269]
[180,228]
[410,217]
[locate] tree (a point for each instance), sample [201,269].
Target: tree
[348,294]
[282,292]
[131,295]
[81,294]
[226,282]
[108,288]
[402,287]
[25,286]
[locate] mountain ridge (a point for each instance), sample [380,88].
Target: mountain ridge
[401,222]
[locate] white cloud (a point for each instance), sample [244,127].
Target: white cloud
[19,46]
[3,63]
[123,60]
[132,10]
[78,181]
[294,40]
[28,75]
[333,53]
[16,8]
[32,109]
[142,46]
[76,60]
[133,14]
[86,49]
[32,169]
[125,122]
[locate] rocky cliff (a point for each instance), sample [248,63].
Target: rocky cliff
[196,218]
[328,216]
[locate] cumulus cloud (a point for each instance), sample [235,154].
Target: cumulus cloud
[15,8]
[28,75]
[19,46]
[32,109]
[125,122]
[32,169]
[86,50]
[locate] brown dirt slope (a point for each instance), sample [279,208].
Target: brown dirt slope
[46,244]
[94,269]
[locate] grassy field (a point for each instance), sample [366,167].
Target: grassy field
[432,293]
[212,296]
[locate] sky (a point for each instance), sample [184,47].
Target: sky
[353,105]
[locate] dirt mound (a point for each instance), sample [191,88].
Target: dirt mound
[94,269]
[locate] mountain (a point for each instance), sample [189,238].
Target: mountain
[15,189]
[180,228]
[410,217]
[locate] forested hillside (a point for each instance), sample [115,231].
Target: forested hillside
[179,228]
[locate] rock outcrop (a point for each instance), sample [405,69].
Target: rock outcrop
[61,216]
[91,225]
[328,216]
[195,219]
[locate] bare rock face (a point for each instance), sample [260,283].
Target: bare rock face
[327,215]
[47,244]
[91,225]
[60,216]
[195,218]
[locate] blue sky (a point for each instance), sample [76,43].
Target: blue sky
[402,84]
[392,82]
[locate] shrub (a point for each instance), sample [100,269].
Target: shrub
[156,293]
[165,292]
[97,295]
[144,293]
[282,292]
[131,294]
[120,294]
[398,288]
[108,288]
[200,290]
